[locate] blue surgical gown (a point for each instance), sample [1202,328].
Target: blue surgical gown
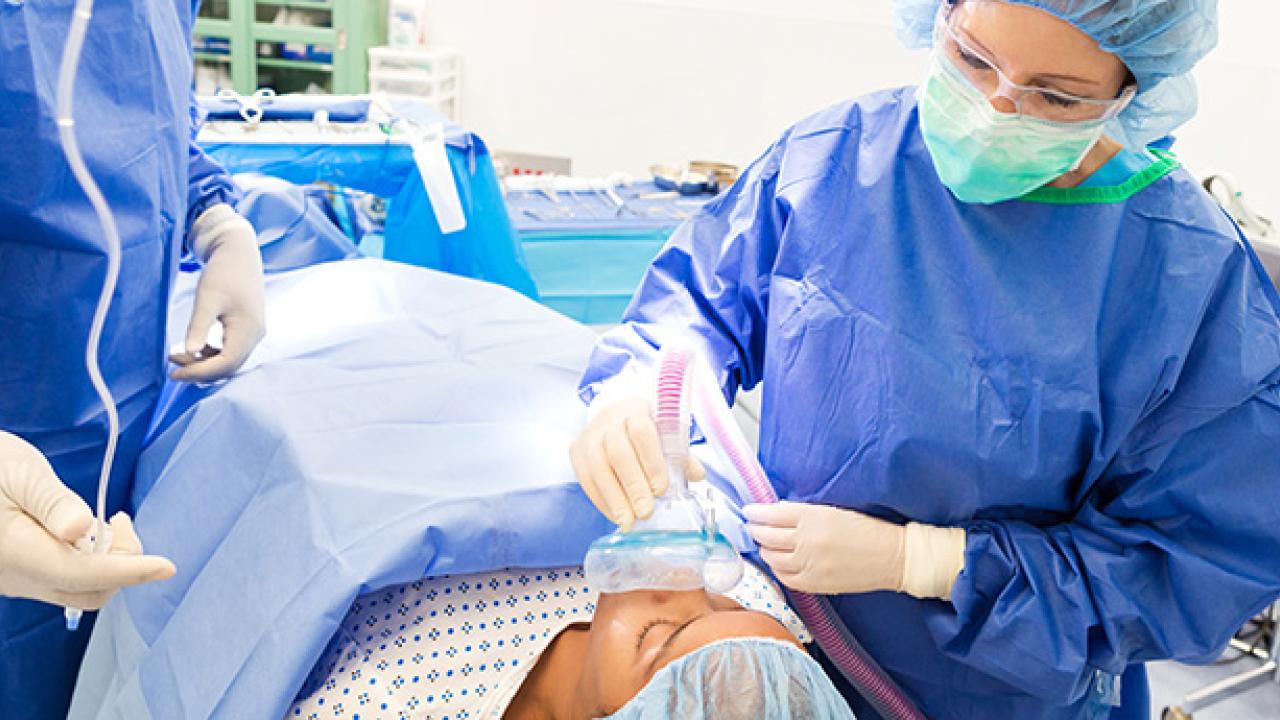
[133,109]
[1087,381]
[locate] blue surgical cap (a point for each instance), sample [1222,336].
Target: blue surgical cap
[1159,40]
[739,679]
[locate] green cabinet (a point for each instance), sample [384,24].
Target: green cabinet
[238,28]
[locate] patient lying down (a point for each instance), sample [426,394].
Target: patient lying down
[541,644]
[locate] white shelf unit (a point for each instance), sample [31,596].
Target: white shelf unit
[432,76]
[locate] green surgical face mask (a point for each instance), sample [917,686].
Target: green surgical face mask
[985,156]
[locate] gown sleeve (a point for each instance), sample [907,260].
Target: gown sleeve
[709,285]
[1178,542]
[208,183]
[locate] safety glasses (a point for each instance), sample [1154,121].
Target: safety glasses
[1041,103]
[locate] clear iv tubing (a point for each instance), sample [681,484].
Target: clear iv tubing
[681,373]
[67,72]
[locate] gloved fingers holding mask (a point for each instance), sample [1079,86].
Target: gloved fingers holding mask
[618,456]
[41,521]
[230,291]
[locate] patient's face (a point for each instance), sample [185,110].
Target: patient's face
[634,635]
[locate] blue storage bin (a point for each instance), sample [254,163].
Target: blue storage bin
[591,275]
[488,249]
[586,256]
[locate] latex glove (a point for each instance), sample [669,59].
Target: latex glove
[618,457]
[230,290]
[826,550]
[41,519]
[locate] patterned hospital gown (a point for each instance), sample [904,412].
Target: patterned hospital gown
[459,648]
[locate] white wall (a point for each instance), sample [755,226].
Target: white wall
[620,84]
[1238,127]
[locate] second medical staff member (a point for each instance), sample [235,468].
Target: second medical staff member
[1021,375]
[135,127]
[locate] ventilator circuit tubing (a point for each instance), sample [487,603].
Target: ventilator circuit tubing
[673,417]
[67,73]
[682,374]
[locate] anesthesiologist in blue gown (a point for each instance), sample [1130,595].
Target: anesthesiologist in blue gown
[135,124]
[1021,375]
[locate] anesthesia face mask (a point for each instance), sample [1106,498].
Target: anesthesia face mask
[678,547]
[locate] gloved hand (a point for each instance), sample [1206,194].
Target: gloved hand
[230,290]
[40,520]
[827,550]
[618,457]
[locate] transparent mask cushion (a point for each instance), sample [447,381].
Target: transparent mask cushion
[663,560]
[677,547]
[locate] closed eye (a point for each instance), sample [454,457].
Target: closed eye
[1060,101]
[972,60]
[644,632]
[671,639]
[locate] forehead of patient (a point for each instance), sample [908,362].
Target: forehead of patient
[634,635]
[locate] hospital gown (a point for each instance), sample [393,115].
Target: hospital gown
[135,127]
[1087,380]
[459,648]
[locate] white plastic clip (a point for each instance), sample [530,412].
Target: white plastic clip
[250,105]
[432,158]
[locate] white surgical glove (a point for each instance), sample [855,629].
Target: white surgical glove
[40,520]
[230,291]
[618,455]
[826,550]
